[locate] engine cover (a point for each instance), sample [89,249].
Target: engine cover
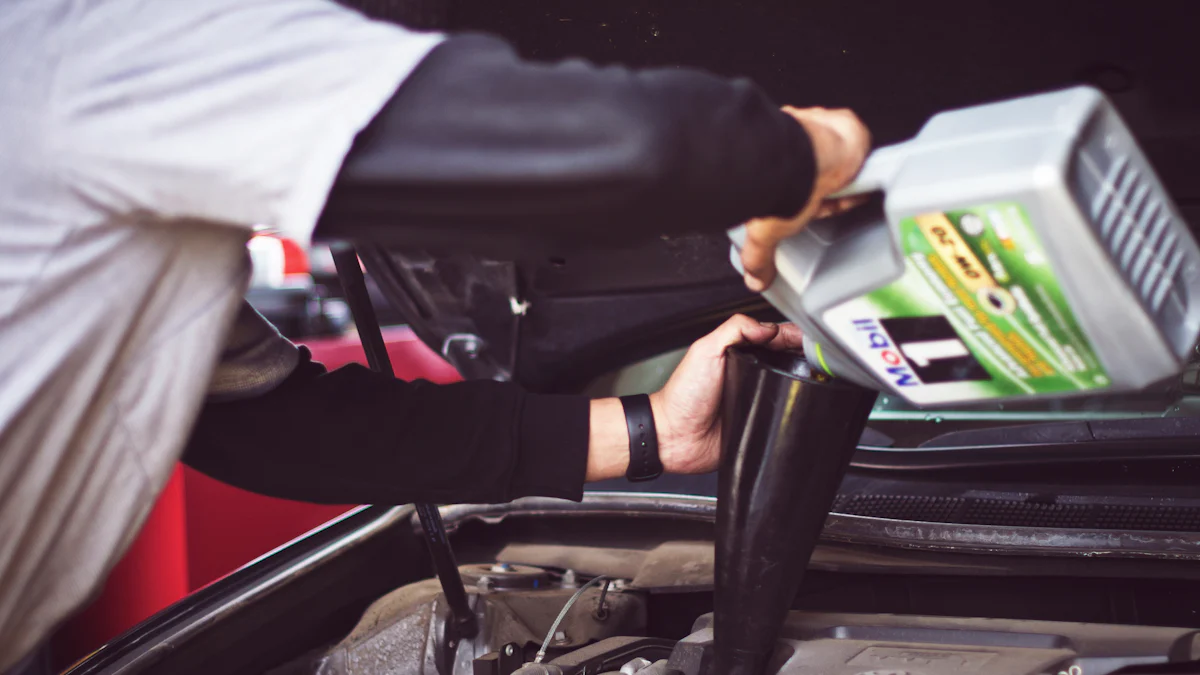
[875,644]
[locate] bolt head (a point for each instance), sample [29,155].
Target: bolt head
[509,650]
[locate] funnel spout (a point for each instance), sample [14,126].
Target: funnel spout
[787,437]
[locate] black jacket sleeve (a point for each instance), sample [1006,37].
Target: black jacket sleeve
[478,142]
[354,436]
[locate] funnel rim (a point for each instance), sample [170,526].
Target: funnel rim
[784,363]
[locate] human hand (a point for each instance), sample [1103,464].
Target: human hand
[687,411]
[840,144]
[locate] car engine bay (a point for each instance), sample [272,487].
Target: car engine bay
[606,632]
[888,594]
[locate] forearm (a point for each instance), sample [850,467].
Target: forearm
[608,440]
[479,141]
[355,436]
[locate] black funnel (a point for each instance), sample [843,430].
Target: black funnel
[788,435]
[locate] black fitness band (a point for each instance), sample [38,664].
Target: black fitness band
[644,463]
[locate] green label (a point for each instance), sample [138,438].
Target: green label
[978,314]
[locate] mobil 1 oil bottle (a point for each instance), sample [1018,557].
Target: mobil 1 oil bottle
[1017,249]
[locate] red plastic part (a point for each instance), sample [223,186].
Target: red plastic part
[295,259]
[201,529]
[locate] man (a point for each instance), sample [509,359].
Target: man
[140,140]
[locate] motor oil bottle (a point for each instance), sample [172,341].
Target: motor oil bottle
[1018,249]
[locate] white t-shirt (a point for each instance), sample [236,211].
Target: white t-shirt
[140,140]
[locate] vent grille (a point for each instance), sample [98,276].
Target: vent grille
[1021,513]
[1029,514]
[901,507]
[1163,518]
[1137,229]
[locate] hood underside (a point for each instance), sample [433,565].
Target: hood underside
[554,320]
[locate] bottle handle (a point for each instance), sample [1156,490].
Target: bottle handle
[877,172]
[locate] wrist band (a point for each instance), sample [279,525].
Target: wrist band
[644,463]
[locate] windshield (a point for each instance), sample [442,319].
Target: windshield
[909,426]
[898,425]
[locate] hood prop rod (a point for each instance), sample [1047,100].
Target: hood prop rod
[354,286]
